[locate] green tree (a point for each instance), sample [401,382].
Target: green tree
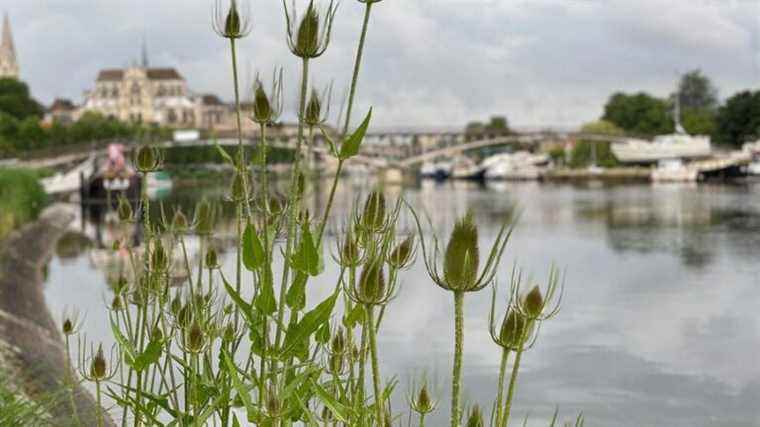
[30,134]
[16,101]
[698,121]
[697,92]
[498,124]
[640,114]
[739,119]
[585,153]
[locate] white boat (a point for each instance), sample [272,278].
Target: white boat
[752,149]
[466,168]
[674,170]
[520,165]
[678,145]
[436,170]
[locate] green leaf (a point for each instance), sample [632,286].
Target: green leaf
[149,356]
[253,413]
[340,411]
[224,153]
[323,333]
[354,317]
[253,249]
[126,347]
[299,333]
[350,146]
[244,307]
[296,296]
[306,258]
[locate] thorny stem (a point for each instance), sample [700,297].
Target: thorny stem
[422,419]
[456,377]
[379,411]
[357,66]
[500,390]
[294,208]
[238,257]
[99,408]
[70,381]
[513,379]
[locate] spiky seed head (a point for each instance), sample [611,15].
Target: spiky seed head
[176,305]
[67,327]
[402,253]
[338,344]
[373,216]
[513,330]
[159,260]
[460,267]
[372,283]
[237,188]
[307,38]
[98,365]
[148,159]
[262,108]
[117,304]
[475,419]
[232,24]
[196,339]
[204,218]
[179,222]
[533,302]
[337,363]
[185,316]
[124,210]
[157,334]
[313,115]
[350,255]
[212,259]
[424,403]
[229,333]
[301,184]
[275,205]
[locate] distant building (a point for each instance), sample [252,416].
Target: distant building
[8,64]
[62,111]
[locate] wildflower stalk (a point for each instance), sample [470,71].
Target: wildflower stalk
[370,325]
[351,96]
[294,204]
[98,408]
[456,376]
[513,377]
[500,389]
[70,381]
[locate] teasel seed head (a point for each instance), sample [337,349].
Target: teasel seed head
[124,210]
[514,331]
[533,302]
[71,322]
[475,419]
[196,339]
[204,218]
[309,37]
[180,224]
[149,159]
[461,262]
[117,304]
[422,402]
[176,305]
[159,260]
[403,254]
[98,369]
[267,107]
[157,334]
[211,259]
[233,23]
[373,216]
[338,343]
[349,252]
[229,333]
[185,316]
[238,189]
[372,288]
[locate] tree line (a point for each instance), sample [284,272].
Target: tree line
[22,128]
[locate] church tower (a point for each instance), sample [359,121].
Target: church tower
[8,64]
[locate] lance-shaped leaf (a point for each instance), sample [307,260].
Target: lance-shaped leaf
[340,411]
[307,258]
[296,296]
[350,146]
[253,414]
[224,154]
[244,307]
[253,249]
[300,332]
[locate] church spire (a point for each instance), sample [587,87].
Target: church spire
[8,65]
[144,53]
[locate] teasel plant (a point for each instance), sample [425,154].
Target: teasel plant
[421,402]
[71,325]
[459,273]
[97,369]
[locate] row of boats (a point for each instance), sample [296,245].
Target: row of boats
[520,165]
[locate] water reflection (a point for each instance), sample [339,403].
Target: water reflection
[660,320]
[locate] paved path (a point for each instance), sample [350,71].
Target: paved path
[31,346]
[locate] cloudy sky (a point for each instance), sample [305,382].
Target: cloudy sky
[429,63]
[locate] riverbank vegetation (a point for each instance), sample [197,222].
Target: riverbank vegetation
[250,344]
[23,198]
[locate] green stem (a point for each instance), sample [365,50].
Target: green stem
[511,390]
[456,377]
[357,65]
[379,411]
[422,419]
[70,381]
[500,389]
[99,409]
[294,208]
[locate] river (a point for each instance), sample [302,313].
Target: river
[660,318]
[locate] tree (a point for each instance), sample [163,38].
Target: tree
[30,135]
[739,119]
[15,100]
[697,92]
[585,153]
[640,114]
[498,124]
[698,121]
